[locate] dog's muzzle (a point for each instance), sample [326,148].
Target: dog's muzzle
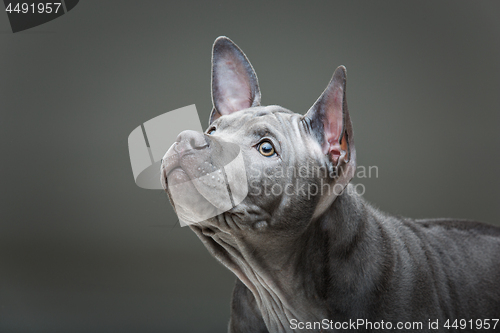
[204,176]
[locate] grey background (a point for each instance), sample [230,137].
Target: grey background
[83,249]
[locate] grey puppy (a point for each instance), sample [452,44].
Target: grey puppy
[308,252]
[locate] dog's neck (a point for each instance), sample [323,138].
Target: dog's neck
[284,280]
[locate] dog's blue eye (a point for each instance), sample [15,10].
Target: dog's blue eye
[266,149]
[212,131]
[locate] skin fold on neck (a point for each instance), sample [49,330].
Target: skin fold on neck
[285,282]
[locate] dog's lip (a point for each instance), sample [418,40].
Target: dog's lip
[167,171]
[175,168]
[170,162]
[169,167]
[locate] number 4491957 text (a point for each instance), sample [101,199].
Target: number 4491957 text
[40,8]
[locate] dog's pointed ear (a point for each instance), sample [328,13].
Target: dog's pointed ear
[329,121]
[234,82]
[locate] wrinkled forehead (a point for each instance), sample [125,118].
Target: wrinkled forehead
[260,121]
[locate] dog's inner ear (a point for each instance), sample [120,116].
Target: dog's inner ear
[234,82]
[328,119]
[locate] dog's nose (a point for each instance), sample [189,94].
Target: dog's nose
[188,140]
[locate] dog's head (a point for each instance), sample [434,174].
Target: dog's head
[261,170]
